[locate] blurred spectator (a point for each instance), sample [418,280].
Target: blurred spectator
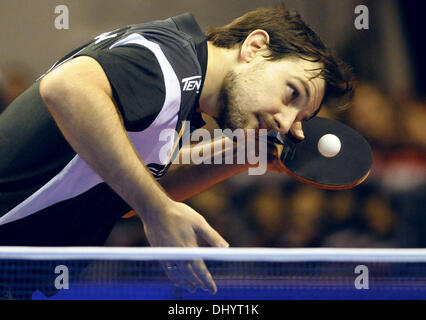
[372,115]
[306,207]
[2,100]
[413,116]
[353,239]
[269,210]
[15,78]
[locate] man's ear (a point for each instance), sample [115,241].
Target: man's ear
[254,45]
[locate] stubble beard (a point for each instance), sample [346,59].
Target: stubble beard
[231,115]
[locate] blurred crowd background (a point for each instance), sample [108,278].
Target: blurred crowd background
[389,109]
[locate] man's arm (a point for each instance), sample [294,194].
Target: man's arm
[184,181]
[79,97]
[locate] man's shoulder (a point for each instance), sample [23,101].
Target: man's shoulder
[179,32]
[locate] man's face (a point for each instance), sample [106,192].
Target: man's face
[270,95]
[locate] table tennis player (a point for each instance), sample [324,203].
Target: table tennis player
[80,148]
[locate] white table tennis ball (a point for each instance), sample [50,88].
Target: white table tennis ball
[329,145]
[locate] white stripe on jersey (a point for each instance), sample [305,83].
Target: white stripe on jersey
[77,177]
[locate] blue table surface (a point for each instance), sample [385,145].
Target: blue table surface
[167,291]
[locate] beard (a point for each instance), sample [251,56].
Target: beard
[231,115]
[238,95]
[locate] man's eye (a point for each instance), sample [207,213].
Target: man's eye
[294,94]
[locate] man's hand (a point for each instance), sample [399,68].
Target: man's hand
[274,162]
[178,225]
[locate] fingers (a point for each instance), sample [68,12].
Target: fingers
[297,131]
[173,272]
[200,269]
[190,275]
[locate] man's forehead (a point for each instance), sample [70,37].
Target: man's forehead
[316,85]
[302,68]
[307,72]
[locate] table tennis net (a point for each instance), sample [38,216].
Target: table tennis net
[240,274]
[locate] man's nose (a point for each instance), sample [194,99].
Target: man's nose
[284,120]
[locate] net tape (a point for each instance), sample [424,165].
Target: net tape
[215,254]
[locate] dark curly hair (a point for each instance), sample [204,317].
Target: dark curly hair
[290,36]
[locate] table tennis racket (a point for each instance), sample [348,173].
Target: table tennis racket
[303,161]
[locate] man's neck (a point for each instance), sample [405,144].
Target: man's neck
[220,62]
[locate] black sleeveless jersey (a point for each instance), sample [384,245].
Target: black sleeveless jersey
[156,71]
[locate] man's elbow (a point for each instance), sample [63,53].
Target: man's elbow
[74,78]
[53,90]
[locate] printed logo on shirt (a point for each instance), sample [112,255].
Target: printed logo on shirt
[192,83]
[105,36]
